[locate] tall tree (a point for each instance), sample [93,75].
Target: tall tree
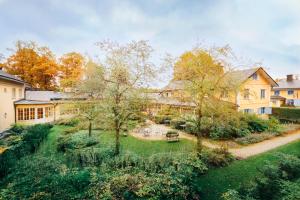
[35,65]
[207,77]
[91,87]
[71,68]
[127,70]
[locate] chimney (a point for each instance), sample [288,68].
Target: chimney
[289,77]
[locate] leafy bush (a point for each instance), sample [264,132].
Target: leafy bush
[256,124]
[17,129]
[217,157]
[31,139]
[254,138]
[68,122]
[178,123]
[278,181]
[287,114]
[78,140]
[162,119]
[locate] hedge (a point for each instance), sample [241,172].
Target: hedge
[287,114]
[31,139]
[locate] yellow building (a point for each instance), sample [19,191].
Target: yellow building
[11,90]
[253,97]
[287,92]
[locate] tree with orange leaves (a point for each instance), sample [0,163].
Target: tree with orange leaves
[35,65]
[71,69]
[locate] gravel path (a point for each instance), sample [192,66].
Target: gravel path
[152,131]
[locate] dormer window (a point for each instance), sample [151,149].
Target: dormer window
[254,76]
[276,92]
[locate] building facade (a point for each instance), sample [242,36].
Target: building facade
[287,92]
[253,95]
[11,89]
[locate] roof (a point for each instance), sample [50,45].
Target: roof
[7,76]
[48,95]
[277,97]
[31,102]
[284,84]
[239,75]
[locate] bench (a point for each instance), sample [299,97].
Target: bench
[172,136]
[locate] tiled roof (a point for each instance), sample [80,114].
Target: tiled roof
[284,84]
[31,102]
[7,76]
[239,75]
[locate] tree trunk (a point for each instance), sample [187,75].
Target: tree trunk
[199,144]
[117,152]
[199,134]
[90,128]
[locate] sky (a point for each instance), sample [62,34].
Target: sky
[265,31]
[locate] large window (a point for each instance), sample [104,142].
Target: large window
[26,113]
[48,112]
[20,114]
[262,93]
[40,113]
[32,113]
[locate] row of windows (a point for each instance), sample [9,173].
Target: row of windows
[14,92]
[34,113]
[262,110]
[277,92]
[247,93]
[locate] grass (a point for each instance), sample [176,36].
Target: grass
[218,181]
[143,147]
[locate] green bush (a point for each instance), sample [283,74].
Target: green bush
[287,114]
[68,122]
[254,138]
[178,123]
[219,157]
[31,139]
[162,119]
[78,140]
[17,129]
[191,128]
[276,181]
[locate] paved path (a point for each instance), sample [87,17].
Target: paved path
[154,131]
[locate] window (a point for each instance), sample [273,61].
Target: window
[48,112]
[290,102]
[13,95]
[262,110]
[290,92]
[20,93]
[224,94]
[276,92]
[32,113]
[262,93]
[246,94]
[254,76]
[26,113]
[40,113]
[20,114]
[5,90]
[248,110]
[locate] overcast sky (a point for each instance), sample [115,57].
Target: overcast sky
[266,31]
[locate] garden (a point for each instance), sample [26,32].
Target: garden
[240,128]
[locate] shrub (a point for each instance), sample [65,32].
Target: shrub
[68,122]
[254,138]
[256,124]
[31,139]
[178,123]
[17,129]
[287,114]
[219,157]
[191,128]
[162,119]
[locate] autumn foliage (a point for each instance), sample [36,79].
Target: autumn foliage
[38,66]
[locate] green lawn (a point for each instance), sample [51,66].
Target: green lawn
[218,181]
[129,143]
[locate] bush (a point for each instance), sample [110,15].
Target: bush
[219,157]
[17,129]
[256,124]
[162,119]
[75,141]
[191,128]
[31,139]
[254,138]
[287,114]
[68,122]
[178,123]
